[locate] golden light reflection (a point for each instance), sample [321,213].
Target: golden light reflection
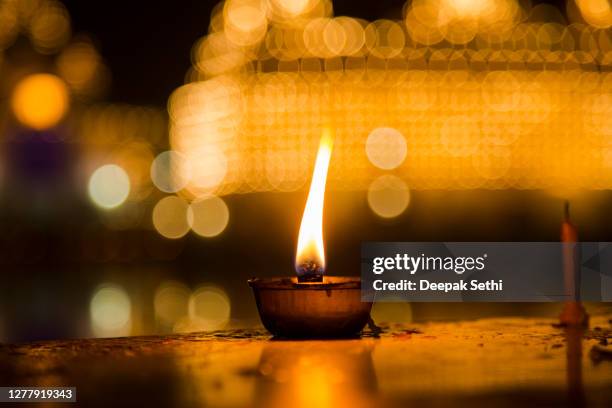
[40,101]
[110,311]
[171,302]
[209,309]
[310,248]
[109,186]
[392,312]
[316,374]
[321,381]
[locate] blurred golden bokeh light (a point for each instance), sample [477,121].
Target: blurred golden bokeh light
[135,157]
[490,94]
[245,21]
[50,27]
[80,65]
[171,302]
[109,186]
[208,216]
[396,312]
[170,217]
[386,148]
[110,311]
[597,13]
[285,9]
[388,196]
[40,101]
[209,309]
[168,172]
[46,23]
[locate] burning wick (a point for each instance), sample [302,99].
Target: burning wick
[310,271]
[573,313]
[310,255]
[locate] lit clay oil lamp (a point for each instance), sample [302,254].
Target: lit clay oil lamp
[312,304]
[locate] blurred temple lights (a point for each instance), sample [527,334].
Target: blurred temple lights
[46,22]
[51,66]
[40,101]
[110,311]
[165,172]
[109,186]
[82,68]
[598,13]
[171,303]
[178,309]
[388,196]
[209,308]
[436,88]
[208,216]
[170,217]
[386,148]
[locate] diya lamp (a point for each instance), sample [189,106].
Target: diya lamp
[312,304]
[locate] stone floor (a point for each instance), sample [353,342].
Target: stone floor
[491,362]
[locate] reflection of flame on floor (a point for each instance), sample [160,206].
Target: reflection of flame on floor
[316,374]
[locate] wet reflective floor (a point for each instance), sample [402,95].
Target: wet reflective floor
[477,363]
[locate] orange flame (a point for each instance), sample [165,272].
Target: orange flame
[310,256]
